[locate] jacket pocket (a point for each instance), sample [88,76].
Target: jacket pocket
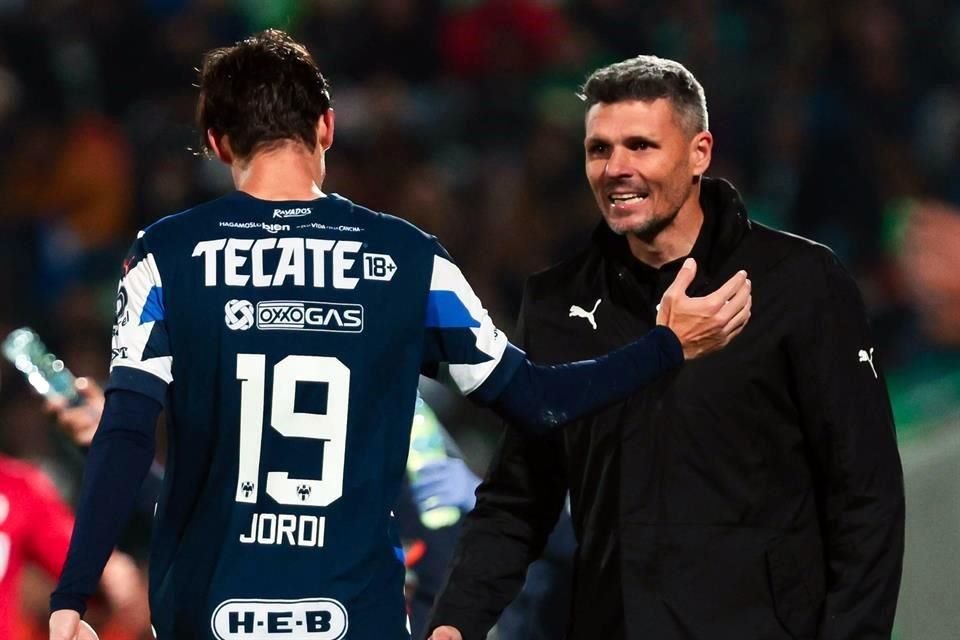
[796,607]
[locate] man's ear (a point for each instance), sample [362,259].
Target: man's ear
[325,127]
[701,152]
[220,146]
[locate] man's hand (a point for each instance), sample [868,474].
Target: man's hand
[444,633]
[705,324]
[66,624]
[80,422]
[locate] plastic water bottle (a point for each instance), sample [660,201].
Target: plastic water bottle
[43,370]
[426,446]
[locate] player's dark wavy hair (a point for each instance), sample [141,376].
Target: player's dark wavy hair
[648,78]
[260,92]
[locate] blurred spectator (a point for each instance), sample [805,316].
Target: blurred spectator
[926,387]
[35,528]
[930,257]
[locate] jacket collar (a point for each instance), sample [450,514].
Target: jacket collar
[725,222]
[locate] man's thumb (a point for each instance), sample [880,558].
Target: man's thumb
[686,275]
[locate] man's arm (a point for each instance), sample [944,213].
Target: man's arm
[537,398]
[80,424]
[119,459]
[849,423]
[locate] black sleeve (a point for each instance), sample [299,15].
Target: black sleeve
[536,398]
[119,459]
[849,423]
[518,504]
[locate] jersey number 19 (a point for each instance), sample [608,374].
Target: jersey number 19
[331,427]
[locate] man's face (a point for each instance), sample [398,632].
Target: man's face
[641,163]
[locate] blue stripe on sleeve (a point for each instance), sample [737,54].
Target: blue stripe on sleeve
[153,306]
[446,311]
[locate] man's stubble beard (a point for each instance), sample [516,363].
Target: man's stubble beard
[648,230]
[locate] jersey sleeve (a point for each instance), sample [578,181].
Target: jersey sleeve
[460,333]
[140,359]
[51,524]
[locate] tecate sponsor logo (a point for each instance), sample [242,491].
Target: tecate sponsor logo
[255,619]
[275,262]
[302,315]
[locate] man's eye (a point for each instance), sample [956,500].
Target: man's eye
[596,149]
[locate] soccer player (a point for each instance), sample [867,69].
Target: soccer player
[283,330]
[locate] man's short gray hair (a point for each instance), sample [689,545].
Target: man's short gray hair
[648,78]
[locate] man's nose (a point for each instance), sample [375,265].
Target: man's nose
[618,164]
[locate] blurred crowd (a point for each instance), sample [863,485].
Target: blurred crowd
[839,121]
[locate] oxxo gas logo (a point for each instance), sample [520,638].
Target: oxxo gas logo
[309,619]
[303,315]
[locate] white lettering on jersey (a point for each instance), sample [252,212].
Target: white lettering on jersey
[208,249]
[297,212]
[308,315]
[235,262]
[291,262]
[266,226]
[263,619]
[284,528]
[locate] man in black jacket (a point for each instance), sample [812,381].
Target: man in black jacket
[754,495]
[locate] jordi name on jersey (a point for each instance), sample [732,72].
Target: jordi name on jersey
[274,262]
[284,528]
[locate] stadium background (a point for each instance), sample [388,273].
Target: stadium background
[837,120]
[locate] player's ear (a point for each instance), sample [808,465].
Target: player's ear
[325,126]
[220,146]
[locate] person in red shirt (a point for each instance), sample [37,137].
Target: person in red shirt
[35,527]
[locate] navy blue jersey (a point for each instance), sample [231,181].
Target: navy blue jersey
[285,340]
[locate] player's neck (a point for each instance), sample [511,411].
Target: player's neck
[289,172]
[674,241]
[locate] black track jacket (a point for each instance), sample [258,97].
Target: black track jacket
[755,494]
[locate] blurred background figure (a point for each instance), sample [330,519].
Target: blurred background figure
[438,492]
[35,526]
[841,122]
